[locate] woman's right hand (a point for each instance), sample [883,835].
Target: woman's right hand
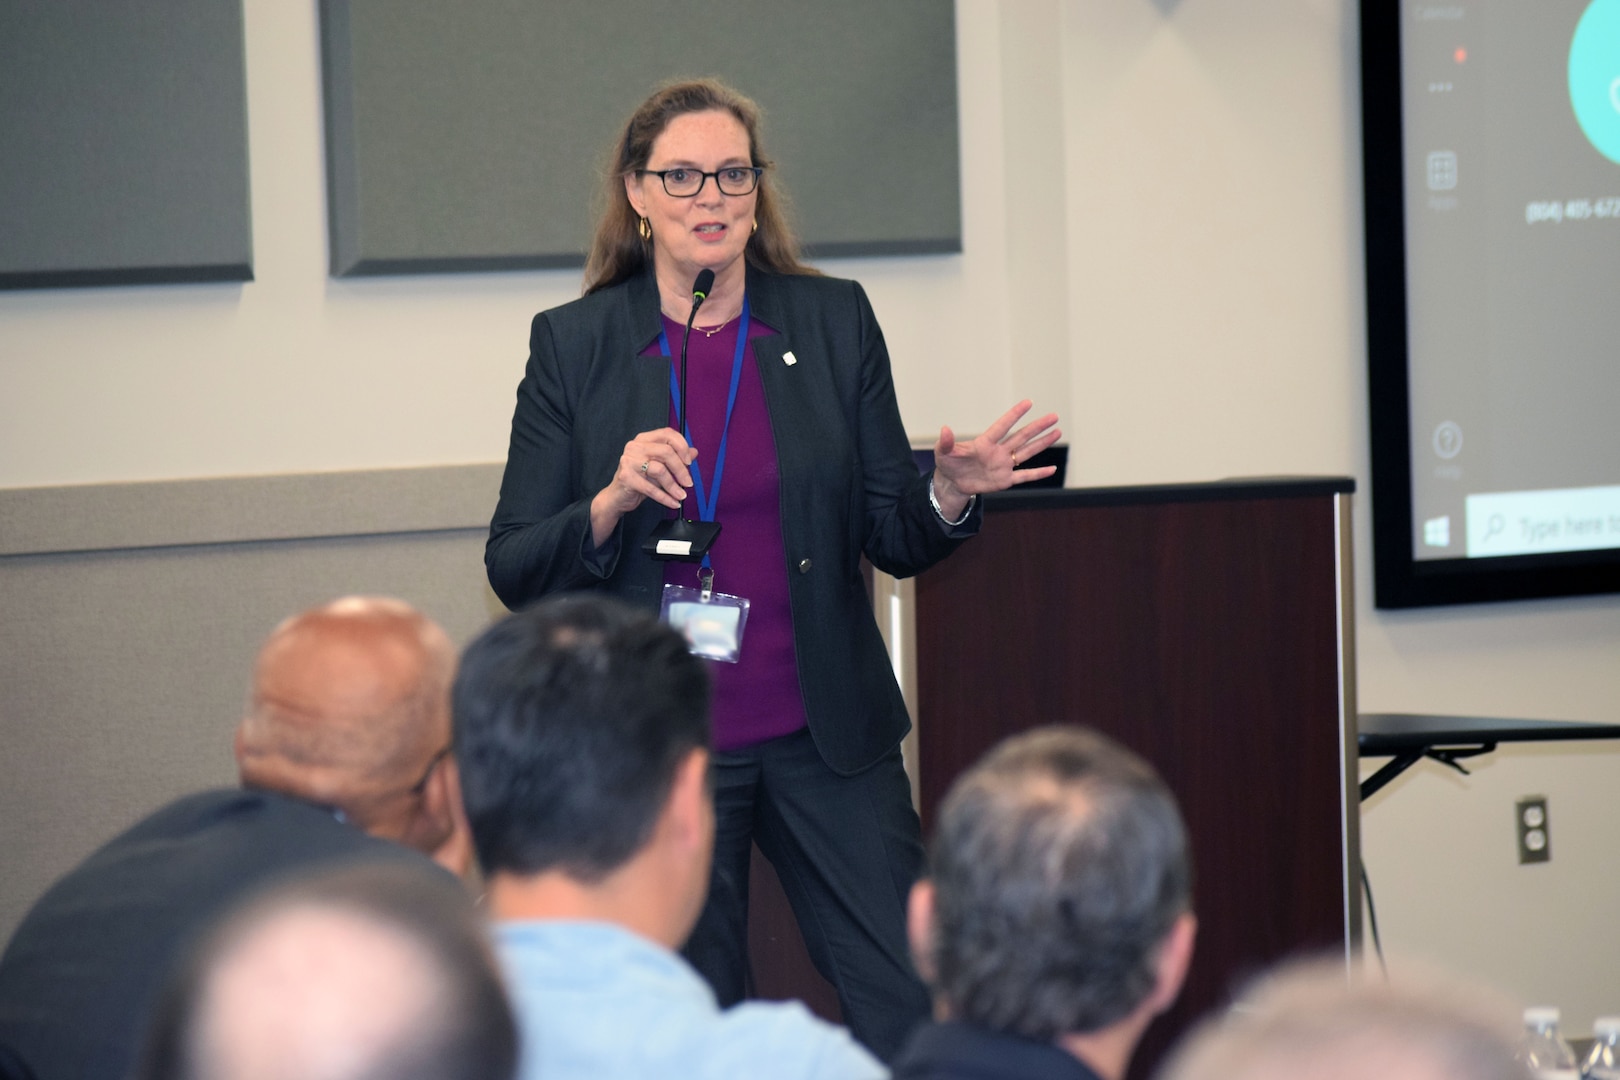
[653,466]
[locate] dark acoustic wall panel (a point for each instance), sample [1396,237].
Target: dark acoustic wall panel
[470,134]
[123,143]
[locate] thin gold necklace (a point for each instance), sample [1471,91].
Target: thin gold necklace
[711,331]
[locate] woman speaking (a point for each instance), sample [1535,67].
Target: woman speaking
[783,429]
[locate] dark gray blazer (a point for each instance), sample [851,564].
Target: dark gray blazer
[848,482]
[83,973]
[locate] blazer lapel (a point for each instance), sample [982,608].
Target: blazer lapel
[649,375]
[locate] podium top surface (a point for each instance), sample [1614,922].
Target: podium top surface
[1380,734]
[1252,487]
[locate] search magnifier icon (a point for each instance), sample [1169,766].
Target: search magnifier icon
[1495,524]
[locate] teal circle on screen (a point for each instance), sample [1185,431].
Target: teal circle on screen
[1594,76]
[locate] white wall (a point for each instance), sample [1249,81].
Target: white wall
[1162,233]
[1216,323]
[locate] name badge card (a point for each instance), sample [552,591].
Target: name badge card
[711,622]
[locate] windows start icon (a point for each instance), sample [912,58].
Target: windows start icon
[1437,532]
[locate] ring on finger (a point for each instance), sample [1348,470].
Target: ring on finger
[644,465]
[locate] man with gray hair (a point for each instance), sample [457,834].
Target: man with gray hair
[1056,923]
[1313,1019]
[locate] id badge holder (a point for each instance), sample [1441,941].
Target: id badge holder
[712,623]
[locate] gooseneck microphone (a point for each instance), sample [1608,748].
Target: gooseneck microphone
[701,286]
[682,538]
[700,293]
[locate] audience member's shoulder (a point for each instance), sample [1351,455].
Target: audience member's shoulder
[12,1066]
[238,838]
[223,807]
[181,820]
[190,811]
[956,1051]
[783,1039]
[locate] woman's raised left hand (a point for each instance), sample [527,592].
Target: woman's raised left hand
[990,462]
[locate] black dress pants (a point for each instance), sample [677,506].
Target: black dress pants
[847,850]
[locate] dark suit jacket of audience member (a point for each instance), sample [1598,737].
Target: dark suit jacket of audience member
[82,973]
[13,1067]
[955,1051]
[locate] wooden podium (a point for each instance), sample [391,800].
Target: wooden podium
[1208,627]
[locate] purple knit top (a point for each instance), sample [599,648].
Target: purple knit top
[758,697]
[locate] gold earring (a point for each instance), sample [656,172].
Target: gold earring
[645,229]
[755,229]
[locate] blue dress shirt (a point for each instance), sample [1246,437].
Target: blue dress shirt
[599,1002]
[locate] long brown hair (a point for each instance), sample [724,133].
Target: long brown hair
[617,250]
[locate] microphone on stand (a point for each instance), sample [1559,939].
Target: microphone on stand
[681,538]
[700,293]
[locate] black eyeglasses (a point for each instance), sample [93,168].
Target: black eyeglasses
[685,183]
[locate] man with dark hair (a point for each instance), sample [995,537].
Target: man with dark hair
[582,730]
[343,755]
[371,972]
[1056,923]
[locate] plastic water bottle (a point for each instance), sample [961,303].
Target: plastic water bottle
[1603,1062]
[1545,1050]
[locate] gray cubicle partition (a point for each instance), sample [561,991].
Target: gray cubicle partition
[132,612]
[469,134]
[123,143]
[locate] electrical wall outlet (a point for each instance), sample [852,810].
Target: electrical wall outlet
[1534,844]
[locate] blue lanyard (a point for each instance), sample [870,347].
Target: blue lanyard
[706,507]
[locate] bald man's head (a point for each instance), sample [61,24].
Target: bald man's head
[1313,1019]
[350,708]
[313,991]
[357,974]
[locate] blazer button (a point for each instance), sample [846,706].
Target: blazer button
[804,566]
